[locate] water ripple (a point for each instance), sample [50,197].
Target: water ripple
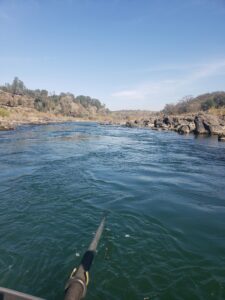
[164,237]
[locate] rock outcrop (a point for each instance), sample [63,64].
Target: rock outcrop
[6,127]
[130,124]
[199,126]
[184,129]
[213,125]
[184,124]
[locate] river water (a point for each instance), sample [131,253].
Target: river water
[165,194]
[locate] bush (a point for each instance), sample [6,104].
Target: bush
[208,104]
[191,105]
[219,101]
[4,112]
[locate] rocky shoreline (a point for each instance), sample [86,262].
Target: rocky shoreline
[201,123]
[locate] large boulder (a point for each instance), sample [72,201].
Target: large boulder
[148,123]
[165,127]
[199,126]
[175,120]
[222,120]
[216,129]
[6,126]
[158,123]
[129,124]
[176,127]
[212,124]
[132,124]
[189,119]
[168,121]
[183,121]
[192,126]
[184,129]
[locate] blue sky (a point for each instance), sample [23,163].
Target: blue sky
[130,54]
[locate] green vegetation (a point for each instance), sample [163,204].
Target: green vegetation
[203,102]
[16,94]
[3,112]
[17,87]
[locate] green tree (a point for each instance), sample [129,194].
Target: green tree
[17,86]
[208,104]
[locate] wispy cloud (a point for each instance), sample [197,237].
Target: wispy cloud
[146,89]
[215,5]
[25,59]
[195,67]
[4,16]
[156,91]
[11,10]
[210,69]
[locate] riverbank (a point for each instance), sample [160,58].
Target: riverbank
[200,123]
[11,117]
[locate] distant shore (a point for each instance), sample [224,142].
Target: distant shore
[199,123]
[12,117]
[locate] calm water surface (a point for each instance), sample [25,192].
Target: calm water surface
[165,234]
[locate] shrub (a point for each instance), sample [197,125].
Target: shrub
[208,104]
[4,112]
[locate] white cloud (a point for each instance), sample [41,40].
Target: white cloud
[127,93]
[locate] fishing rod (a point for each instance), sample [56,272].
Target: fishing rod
[76,286]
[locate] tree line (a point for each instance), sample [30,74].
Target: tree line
[42,100]
[191,104]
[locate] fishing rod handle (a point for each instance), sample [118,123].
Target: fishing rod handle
[76,290]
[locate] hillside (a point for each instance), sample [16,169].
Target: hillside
[17,95]
[19,105]
[214,102]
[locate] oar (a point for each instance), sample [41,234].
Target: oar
[76,286]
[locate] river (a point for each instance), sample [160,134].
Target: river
[165,194]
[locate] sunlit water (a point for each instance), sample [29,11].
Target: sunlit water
[165,233]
